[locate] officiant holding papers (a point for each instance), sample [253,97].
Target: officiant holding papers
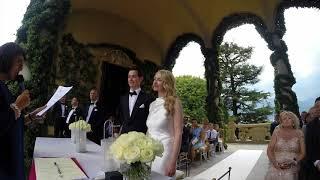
[12,122]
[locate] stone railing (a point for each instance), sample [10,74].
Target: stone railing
[255,133]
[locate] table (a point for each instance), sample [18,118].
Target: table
[91,161]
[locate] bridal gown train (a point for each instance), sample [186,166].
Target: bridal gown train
[160,127]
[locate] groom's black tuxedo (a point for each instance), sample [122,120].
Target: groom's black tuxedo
[312,149]
[139,115]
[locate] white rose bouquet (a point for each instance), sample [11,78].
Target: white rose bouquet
[134,150]
[80,125]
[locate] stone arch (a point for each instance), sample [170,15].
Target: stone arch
[211,63]
[178,44]
[286,98]
[173,54]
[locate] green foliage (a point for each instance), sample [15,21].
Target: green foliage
[76,67]
[192,92]
[38,35]
[236,75]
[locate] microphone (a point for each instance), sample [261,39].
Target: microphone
[21,85]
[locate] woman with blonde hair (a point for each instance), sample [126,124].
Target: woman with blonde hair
[165,122]
[286,149]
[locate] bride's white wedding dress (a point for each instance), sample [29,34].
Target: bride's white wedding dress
[160,127]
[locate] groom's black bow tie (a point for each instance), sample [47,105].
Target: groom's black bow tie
[132,93]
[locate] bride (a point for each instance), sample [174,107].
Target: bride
[165,122]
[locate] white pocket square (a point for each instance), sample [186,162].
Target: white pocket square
[142,106]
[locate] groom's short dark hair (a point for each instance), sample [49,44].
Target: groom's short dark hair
[135,68]
[318,99]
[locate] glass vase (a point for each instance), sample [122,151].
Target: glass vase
[73,136]
[136,171]
[81,141]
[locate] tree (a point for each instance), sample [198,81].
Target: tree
[246,104]
[192,93]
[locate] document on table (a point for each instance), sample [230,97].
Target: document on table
[60,92]
[57,168]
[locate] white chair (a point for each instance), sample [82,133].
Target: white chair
[220,145]
[203,154]
[179,174]
[212,150]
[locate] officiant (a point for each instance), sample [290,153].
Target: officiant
[12,122]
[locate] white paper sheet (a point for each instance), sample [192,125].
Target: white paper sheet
[60,92]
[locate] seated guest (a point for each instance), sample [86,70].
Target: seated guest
[212,134]
[94,115]
[200,145]
[59,115]
[205,126]
[74,114]
[195,129]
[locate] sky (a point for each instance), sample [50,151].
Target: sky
[302,38]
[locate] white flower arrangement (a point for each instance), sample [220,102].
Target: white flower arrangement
[136,147]
[80,125]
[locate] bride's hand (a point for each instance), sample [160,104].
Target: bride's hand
[276,165]
[171,169]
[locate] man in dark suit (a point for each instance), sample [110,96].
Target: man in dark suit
[134,106]
[312,166]
[94,115]
[274,124]
[74,114]
[59,115]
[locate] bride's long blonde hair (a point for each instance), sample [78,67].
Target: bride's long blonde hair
[169,85]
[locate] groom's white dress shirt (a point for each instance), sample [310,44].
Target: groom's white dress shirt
[91,107]
[133,99]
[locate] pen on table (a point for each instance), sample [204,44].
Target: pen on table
[59,171]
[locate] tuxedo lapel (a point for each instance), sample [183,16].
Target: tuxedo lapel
[126,107]
[137,104]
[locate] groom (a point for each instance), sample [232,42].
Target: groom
[134,105]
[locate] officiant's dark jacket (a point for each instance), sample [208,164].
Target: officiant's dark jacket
[96,120]
[11,139]
[312,149]
[139,115]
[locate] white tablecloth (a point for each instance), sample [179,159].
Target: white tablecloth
[91,161]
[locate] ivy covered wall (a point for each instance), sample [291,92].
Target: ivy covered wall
[39,36]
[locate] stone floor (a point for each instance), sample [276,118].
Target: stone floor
[257,173]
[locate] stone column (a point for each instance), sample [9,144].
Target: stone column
[286,98]
[213,86]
